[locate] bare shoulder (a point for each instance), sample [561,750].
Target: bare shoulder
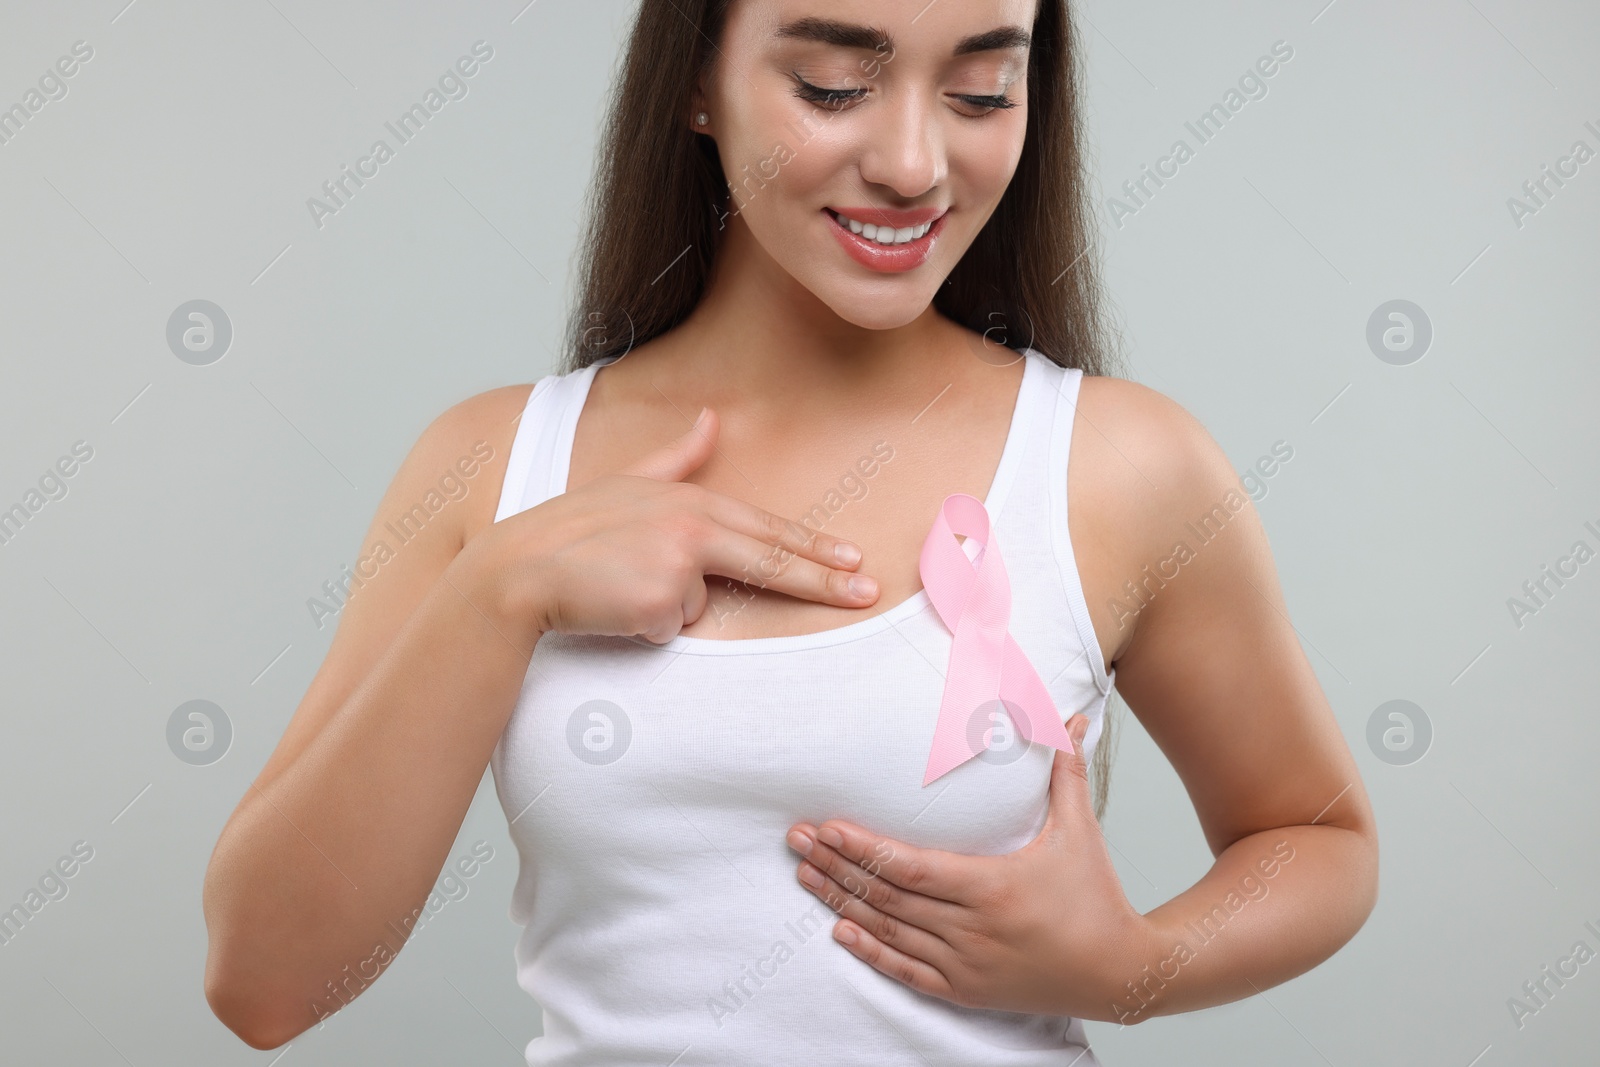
[1142,468]
[477,433]
[447,487]
[1147,439]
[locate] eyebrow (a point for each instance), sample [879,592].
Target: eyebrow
[872,38]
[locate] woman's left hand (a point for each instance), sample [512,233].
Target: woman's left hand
[1046,929]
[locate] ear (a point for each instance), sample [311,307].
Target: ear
[699,103]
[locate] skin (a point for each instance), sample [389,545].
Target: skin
[1217,675]
[805,359]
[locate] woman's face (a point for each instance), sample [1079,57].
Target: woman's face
[895,114]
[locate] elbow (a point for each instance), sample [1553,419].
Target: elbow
[1357,882]
[241,1004]
[236,1010]
[242,983]
[1369,901]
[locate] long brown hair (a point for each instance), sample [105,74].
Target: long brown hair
[659,201]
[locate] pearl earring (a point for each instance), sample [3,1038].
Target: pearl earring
[702,118]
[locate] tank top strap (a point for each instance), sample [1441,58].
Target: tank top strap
[541,450]
[528,466]
[1066,383]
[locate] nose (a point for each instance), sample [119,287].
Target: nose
[904,147]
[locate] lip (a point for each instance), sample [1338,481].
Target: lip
[888,259]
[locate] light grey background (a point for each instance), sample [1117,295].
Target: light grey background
[1418,500]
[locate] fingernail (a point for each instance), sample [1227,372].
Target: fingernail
[862,586]
[829,836]
[700,416]
[799,842]
[847,554]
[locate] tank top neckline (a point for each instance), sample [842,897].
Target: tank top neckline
[1010,457]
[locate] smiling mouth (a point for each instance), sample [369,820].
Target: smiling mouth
[887,236]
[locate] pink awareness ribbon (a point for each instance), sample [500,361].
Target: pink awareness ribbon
[974,600]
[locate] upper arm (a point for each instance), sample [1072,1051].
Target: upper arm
[446,489]
[1214,669]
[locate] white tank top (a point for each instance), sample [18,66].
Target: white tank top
[649,788]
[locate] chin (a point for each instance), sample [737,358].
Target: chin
[862,309]
[876,302]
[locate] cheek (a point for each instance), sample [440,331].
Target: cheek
[989,161]
[782,171]
[814,162]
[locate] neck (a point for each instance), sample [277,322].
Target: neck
[758,334]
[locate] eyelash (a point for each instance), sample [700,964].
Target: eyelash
[830,97]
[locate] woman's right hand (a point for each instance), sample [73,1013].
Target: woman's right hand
[626,554]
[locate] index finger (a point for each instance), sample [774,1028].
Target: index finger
[782,534]
[931,872]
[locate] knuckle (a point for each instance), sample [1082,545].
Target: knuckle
[773,528]
[672,547]
[678,564]
[837,584]
[914,874]
[683,528]
[803,537]
[992,896]
[768,567]
[658,600]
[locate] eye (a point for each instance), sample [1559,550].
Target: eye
[828,98]
[833,98]
[999,102]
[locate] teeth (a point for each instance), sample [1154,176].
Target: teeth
[884,235]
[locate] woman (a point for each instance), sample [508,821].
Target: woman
[836,292]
